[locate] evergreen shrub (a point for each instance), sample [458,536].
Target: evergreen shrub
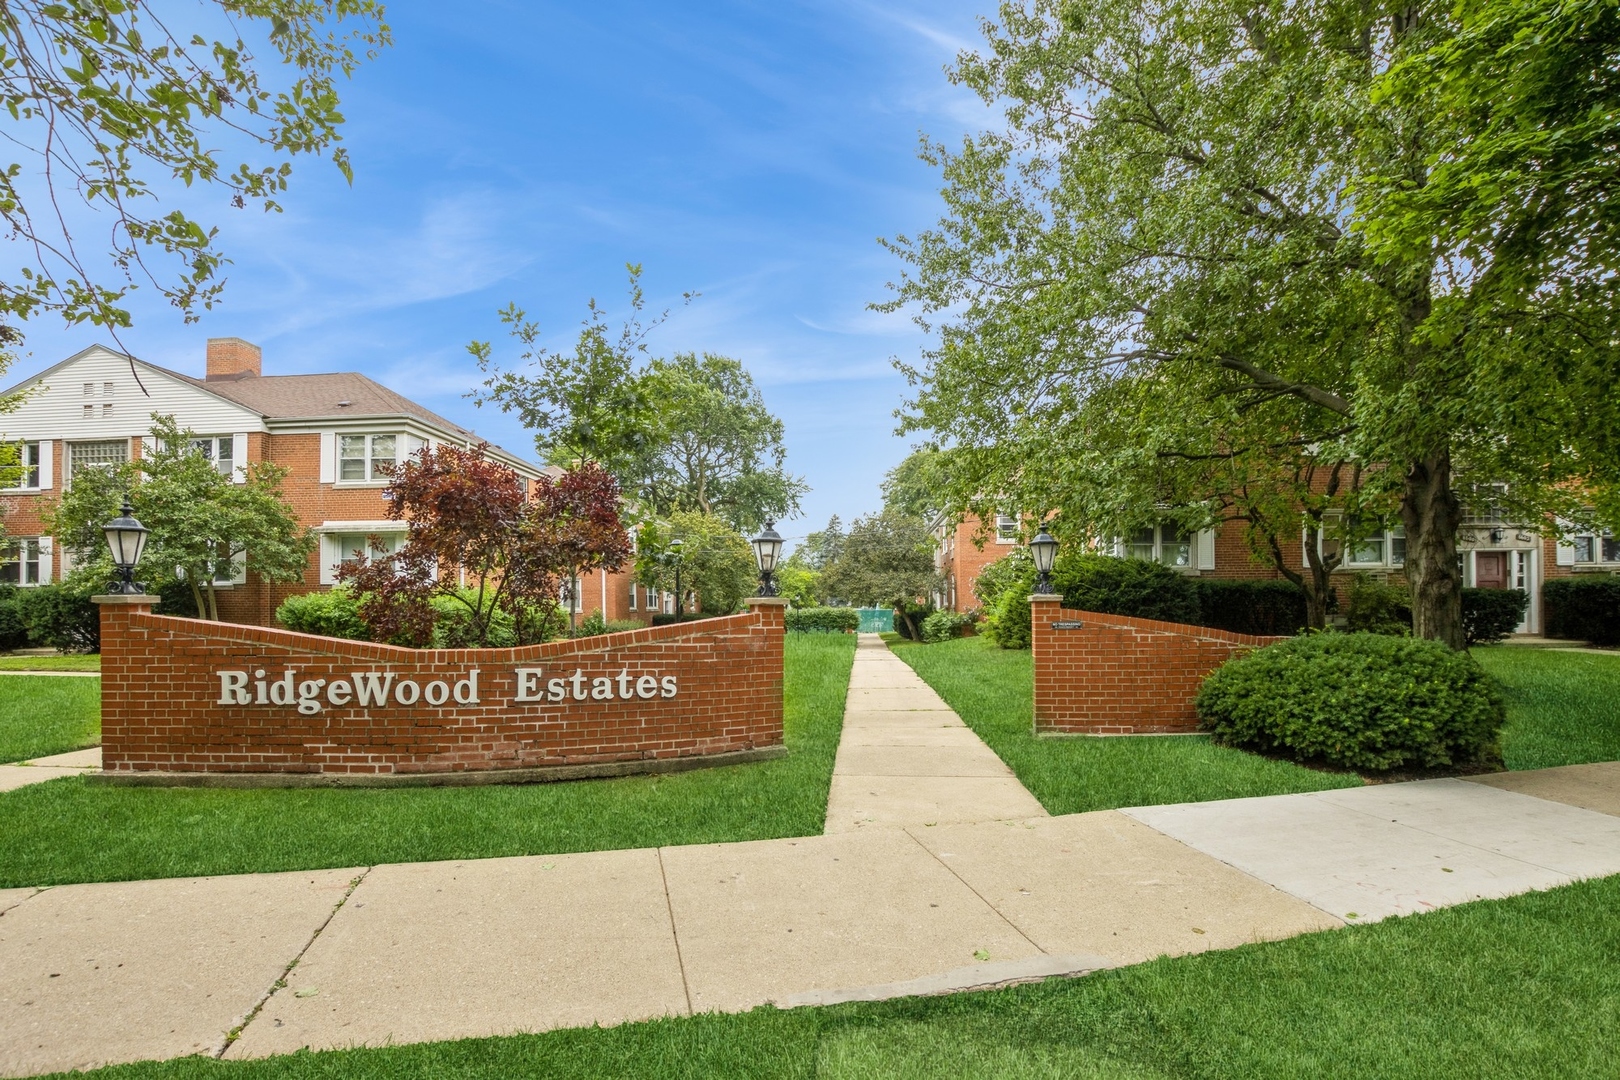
[1139,588]
[1250,606]
[1584,608]
[1362,701]
[13,629]
[1490,615]
[329,613]
[61,616]
[823,620]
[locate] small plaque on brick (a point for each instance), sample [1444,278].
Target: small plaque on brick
[1067,624]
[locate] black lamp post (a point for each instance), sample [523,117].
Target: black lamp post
[675,557]
[1044,549]
[767,549]
[126,538]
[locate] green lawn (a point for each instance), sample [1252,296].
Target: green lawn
[991,689]
[1563,707]
[1524,987]
[67,831]
[77,662]
[42,715]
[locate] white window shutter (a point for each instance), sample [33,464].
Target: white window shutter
[47,464]
[329,555]
[1566,554]
[328,459]
[1206,549]
[45,547]
[148,447]
[239,461]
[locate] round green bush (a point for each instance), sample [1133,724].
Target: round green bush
[1008,623]
[333,613]
[1136,587]
[1363,701]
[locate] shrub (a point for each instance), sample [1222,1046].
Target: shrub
[919,612]
[62,616]
[945,625]
[454,627]
[594,625]
[1374,608]
[823,620]
[1585,608]
[13,629]
[1015,570]
[1250,606]
[663,619]
[1363,701]
[1490,615]
[1136,587]
[1008,624]
[331,613]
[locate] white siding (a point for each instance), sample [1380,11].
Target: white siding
[56,410]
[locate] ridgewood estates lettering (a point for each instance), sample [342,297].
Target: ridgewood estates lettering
[376,689]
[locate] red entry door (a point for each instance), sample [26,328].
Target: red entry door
[1490,569]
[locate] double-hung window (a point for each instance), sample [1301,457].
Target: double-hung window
[1006,529]
[366,459]
[220,450]
[23,563]
[1598,548]
[26,465]
[1166,543]
[1386,547]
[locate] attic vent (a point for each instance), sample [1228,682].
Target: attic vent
[344,404]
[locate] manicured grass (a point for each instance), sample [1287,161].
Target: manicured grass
[992,690]
[1563,707]
[1523,987]
[47,715]
[76,662]
[66,830]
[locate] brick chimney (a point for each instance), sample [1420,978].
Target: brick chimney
[233,358]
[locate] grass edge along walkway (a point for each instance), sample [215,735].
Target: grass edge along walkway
[1520,987]
[992,690]
[66,831]
[41,716]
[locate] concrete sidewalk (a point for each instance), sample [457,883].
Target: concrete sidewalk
[906,759]
[91,974]
[39,770]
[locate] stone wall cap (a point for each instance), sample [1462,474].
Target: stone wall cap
[1043,598]
[766,601]
[149,599]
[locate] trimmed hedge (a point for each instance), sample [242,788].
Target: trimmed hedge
[1585,608]
[13,628]
[62,616]
[1362,701]
[823,620]
[1490,615]
[1114,586]
[945,625]
[667,618]
[1250,606]
[332,613]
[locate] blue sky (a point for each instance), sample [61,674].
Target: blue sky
[753,152]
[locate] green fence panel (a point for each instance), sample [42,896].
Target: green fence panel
[876,620]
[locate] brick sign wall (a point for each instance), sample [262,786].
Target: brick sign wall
[1115,675]
[190,701]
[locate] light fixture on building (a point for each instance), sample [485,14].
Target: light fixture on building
[126,538]
[1044,550]
[767,549]
[1496,536]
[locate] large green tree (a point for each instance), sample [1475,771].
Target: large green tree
[1153,258]
[207,528]
[887,558]
[716,561]
[109,103]
[718,450]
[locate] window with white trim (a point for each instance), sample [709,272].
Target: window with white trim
[372,459]
[27,466]
[23,563]
[1006,529]
[351,547]
[1166,543]
[219,449]
[1596,548]
[103,454]
[1384,548]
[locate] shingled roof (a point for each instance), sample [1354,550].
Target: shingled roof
[329,396]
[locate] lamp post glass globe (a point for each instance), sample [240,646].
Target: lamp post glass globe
[1044,550]
[126,539]
[767,551]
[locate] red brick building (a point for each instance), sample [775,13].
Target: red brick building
[1496,554]
[337,435]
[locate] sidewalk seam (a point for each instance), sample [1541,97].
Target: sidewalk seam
[674,932]
[952,871]
[235,1034]
[13,907]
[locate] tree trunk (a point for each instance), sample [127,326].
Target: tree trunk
[1430,512]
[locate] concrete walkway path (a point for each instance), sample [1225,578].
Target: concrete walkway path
[39,770]
[906,759]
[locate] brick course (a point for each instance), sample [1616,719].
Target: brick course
[1117,675]
[161,695]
